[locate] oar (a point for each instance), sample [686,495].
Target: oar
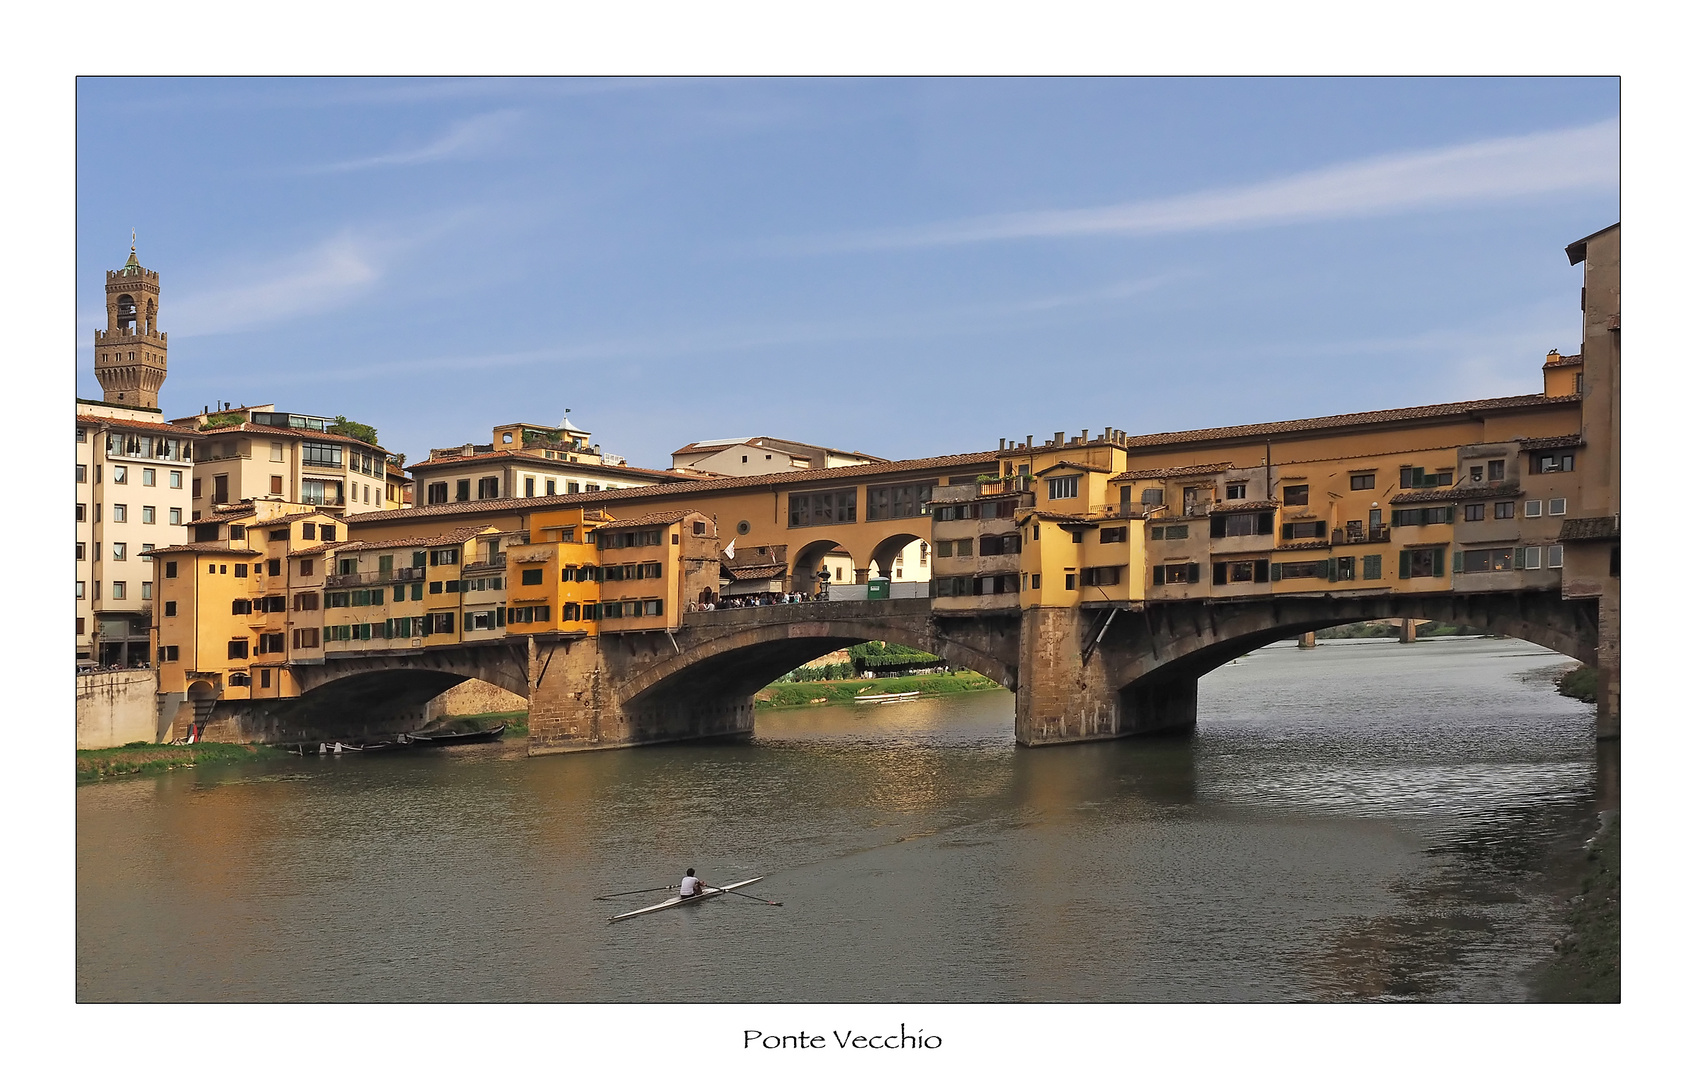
[749,896]
[633,892]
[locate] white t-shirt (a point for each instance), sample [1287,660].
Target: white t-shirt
[690,886]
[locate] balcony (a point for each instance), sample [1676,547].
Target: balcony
[1376,534]
[375,577]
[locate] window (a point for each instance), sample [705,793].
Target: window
[241,607]
[120,474]
[1553,462]
[1534,508]
[1303,530]
[82,474]
[306,638]
[1558,507]
[149,478]
[897,501]
[147,590]
[1296,495]
[1494,470]
[822,508]
[1484,561]
[170,568]
[119,590]
[529,488]
[1241,571]
[147,515]
[335,599]
[1063,487]
[327,533]
[1169,532]
[1361,481]
[271,643]
[1418,477]
[1502,510]
[1177,574]
[1241,524]
[462,490]
[1344,568]
[548,488]
[168,653]
[1424,515]
[175,516]
[82,511]
[276,485]
[176,478]
[530,577]
[1476,474]
[1554,557]
[1002,544]
[1317,568]
[120,512]
[1531,558]
[445,557]
[1473,512]
[1101,575]
[170,609]
[1113,535]
[241,569]
[1237,490]
[436,493]
[306,601]
[237,649]
[82,551]
[120,551]
[1420,562]
[317,453]
[82,435]
[321,492]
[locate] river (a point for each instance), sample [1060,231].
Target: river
[1361,821]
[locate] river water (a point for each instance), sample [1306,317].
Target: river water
[1361,821]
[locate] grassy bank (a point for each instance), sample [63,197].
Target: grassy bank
[1587,963]
[518,723]
[143,759]
[844,691]
[1579,683]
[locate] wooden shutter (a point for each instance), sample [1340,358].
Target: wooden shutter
[1217,525]
[1193,573]
[1519,558]
[1278,571]
[1159,575]
[1402,563]
[1456,564]
[1331,569]
[1438,562]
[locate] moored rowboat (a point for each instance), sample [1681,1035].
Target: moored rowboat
[679,901]
[874,699]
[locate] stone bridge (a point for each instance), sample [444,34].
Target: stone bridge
[1079,674]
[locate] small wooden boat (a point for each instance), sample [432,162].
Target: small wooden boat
[680,901]
[454,739]
[877,699]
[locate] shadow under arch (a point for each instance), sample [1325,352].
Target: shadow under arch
[884,554]
[730,668]
[1161,657]
[804,565]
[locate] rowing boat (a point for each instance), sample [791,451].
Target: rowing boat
[877,699]
[679,901]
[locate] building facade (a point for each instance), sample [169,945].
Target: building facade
[525,461]
[760,455]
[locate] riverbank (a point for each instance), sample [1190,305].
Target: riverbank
[518,724]
[1587,963]
[1580,683]
[844,691]
[144,759]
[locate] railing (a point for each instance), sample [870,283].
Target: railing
[375,577]
[1377,534]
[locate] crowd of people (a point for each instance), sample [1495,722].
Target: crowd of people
[732,603]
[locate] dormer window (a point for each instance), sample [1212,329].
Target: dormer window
[1241,491]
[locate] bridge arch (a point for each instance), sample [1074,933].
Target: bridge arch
[884,553]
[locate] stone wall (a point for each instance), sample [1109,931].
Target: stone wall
[471,698]
[116,707]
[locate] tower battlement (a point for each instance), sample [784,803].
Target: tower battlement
[129,354]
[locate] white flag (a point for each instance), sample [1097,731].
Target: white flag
[731,549]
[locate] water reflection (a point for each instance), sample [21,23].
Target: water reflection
[1367,821]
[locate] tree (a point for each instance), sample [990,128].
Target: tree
[354,430]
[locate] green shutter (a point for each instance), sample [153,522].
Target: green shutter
[1402,563]
[1438,563]
[1371,567]
[1456,565]
[1331,569]
[1519,558]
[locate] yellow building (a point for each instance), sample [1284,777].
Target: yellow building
[231,610]
[406,593]
[253,453]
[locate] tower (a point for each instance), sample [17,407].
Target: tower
[129,355]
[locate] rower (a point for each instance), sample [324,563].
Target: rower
[691,885]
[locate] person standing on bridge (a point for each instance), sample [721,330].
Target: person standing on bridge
[691,885]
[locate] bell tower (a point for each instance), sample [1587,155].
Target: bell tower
[129,355]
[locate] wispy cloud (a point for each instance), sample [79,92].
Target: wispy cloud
[327,276]
[467,138]
[1571,159]
[941,322]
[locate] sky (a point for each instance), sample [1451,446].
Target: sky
[904,267]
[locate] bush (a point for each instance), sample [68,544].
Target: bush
[1580,683]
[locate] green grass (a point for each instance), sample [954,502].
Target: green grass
[146,759]
[1580,683]
[844,691]
[518,723]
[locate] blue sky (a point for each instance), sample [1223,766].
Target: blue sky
[906,267]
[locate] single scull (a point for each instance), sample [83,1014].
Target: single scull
[679,901]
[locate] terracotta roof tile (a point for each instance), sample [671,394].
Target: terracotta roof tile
[1243,507]
[1066,463]
[1320,423]
[1559,361]
[755,573]
[1553,442]
[137,425]
[668,517]
[659,475]
[202,547]
[293,433]
[1499,489]
[455,536]
[1592,528]
[1431,495]
[1181,470]
[792,478]
[1305,545]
